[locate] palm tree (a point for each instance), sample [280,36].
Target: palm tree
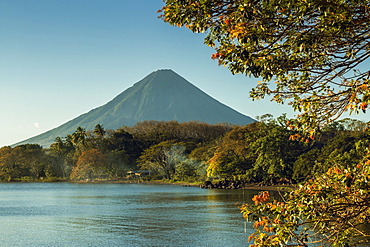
[99,130]
[100,133]
[58,144]
[79,137]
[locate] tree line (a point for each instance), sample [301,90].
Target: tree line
[266,152]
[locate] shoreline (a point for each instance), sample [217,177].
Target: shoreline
[184,184]
[271,187]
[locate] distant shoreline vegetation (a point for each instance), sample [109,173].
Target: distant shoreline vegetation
[216,184]
[262,153]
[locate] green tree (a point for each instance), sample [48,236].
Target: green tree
[99,130]
[9,163]
[306,165]
[261,151]
[354,124]
[78,139]
[63,151]
[122,142]
[232,155]
[341,149]
[33,159]
[28,160]
[275,154]
[162,158]
[118,163]
[186,169]
[311,49]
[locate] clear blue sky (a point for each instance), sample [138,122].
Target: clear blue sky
[62,58]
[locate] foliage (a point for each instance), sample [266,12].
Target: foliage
[353,124]
[120,141]
[329,211]
[90,165]
[121,149]
[29,160]
[275,154]
[306,165]
[163,157]
[232,154]
[149,133]
[99,131]
[258,152]
[186,169]
[262,151]
[345,148]
[310,49]
[9,167]
[78,139]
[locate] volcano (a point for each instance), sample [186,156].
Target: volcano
[162,95]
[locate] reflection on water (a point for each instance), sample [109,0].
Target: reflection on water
[63,214]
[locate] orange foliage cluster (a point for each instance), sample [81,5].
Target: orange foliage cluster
[302,138]
[216,55]
[363,106]
[261,197]
[294,137]
[334,170]
[265,223]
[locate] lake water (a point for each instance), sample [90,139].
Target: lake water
[67,214]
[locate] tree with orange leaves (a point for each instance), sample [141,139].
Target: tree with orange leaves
[332,210]
[312,50]
[90,165]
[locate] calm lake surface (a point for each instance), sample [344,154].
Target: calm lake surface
[67,214]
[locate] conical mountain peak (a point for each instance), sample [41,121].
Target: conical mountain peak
[163,95]
[164,77]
